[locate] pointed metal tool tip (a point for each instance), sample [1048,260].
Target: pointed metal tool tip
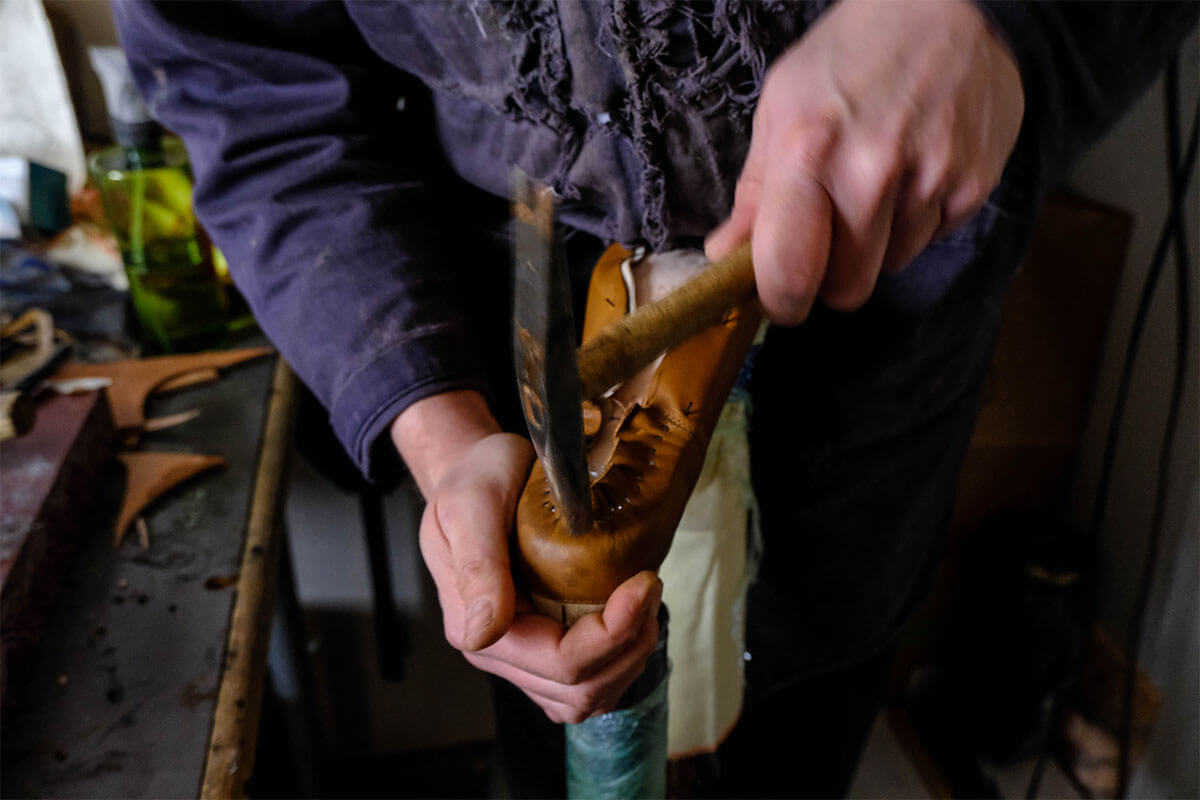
[544,352]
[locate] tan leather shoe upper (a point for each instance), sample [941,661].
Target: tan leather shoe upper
[646,443]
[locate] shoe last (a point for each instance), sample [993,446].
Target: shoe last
[646,442]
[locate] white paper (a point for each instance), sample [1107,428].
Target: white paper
[37,120]
[704,588]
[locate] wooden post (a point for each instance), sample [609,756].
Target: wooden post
[230,758]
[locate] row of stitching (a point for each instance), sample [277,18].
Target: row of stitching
[682,423]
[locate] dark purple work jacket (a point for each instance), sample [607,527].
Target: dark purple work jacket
[320,161]
[349,157]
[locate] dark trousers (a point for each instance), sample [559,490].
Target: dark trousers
[804,740]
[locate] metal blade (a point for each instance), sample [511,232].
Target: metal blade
[544,347]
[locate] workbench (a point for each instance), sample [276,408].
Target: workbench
[148,679]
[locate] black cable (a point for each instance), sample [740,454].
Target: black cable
[1139,322]
[1180,179]
[1154,541]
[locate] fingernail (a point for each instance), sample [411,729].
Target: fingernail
[479,618]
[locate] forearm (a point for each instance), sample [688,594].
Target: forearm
[330,204]
[433,433]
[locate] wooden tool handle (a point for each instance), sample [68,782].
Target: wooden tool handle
[634,341]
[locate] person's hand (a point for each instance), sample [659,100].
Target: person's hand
[886,126]
[471,475]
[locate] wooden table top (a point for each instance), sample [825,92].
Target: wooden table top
[148,679]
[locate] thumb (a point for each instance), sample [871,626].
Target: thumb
[487,593]
[485,585]
[478,545]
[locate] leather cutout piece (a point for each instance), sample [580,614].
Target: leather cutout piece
[647,452]
[150,475]
[135,379]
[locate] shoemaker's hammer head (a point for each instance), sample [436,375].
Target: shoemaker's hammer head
[544,348]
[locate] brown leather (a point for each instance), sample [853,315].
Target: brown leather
[645,449]
[134,380]
[150,475]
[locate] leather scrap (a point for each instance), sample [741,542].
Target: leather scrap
[150,475]
[135,379]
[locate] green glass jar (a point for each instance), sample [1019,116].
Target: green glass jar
[176,292]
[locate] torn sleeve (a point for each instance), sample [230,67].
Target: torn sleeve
[315,164]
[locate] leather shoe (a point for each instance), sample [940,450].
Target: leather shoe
[646,441]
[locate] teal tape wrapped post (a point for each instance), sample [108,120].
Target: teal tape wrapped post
[623,754]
